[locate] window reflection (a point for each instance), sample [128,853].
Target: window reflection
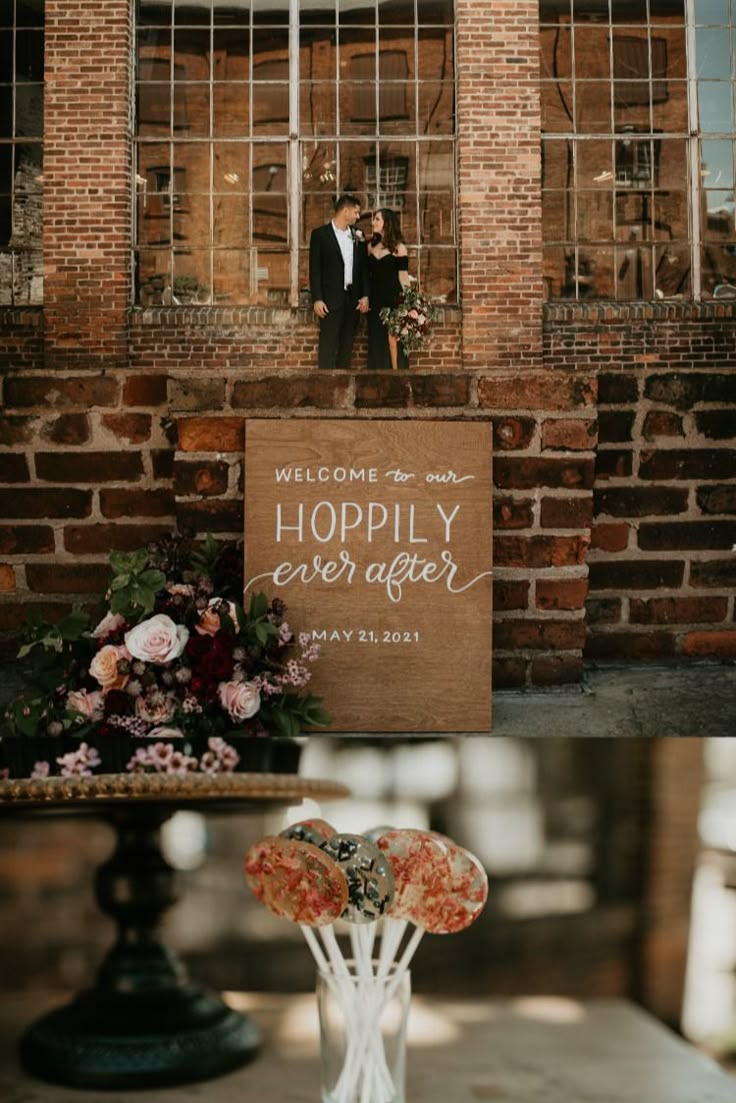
[220,87]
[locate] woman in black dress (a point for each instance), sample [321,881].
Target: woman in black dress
[388,274]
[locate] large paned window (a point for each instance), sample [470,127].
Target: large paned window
[251,117]
[21,151]
[638,133]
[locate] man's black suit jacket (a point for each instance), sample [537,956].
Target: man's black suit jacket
[327,268]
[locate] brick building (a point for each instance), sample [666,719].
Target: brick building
[163,164]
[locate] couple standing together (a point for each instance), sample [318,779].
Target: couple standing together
[348,278]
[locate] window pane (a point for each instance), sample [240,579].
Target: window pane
[634,273]
[712,11]
[557,215]
[231,54]
[719,271]
[318,108]
[317,53]
[153,109]
[634,215]
[231,12]
[29,110]
[271,54]
[192,276]
[556,53]
[436,107]
[595,272]
[189,13]
[29,13]
[231,110]
[192,54]
[357,107]
[357,169]
[672,271]
[435,54]
[712,50]
[269,167]
[360,13]
[595,164]
[436,166]
[714,106]
[153,276]
[396,55]
[670,11]
[716,164]
[557,163]
[192,166]
[593,107]
[29,55]
[594,216]
[671,216]
[437,219]
[191,219]
[315,12]
[316,210]
[435,11]
[556,266]
[153,13]
[437,273]
[628,11]
[718,220]
[192,110]
[671,114]
[592,53]
[231,220]
[270,108]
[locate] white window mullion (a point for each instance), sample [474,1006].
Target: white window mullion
[693,151]
[293,168]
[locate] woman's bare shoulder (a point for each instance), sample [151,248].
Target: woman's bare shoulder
[401,250]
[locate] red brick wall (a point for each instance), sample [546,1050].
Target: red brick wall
[616,430]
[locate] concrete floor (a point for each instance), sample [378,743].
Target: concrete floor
[693,700]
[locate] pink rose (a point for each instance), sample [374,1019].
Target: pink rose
[109,624]
[86,704]
[240,699]
[104,667]
[157,640]
[154,714]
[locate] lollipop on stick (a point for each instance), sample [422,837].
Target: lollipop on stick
[370,890]
[309,831]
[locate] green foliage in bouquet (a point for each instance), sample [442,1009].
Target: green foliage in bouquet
[411,320]
[173,653]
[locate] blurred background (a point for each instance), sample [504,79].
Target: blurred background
[612,865]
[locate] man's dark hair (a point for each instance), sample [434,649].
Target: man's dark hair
[346,201]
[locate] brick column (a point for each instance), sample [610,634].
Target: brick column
[86,182]
[499,213]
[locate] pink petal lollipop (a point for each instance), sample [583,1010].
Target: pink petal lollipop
[421,869]
[465,896]
[309,831]
[296,880]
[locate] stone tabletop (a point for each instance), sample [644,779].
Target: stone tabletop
[530,1050]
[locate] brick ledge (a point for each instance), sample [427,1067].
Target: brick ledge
[237,315]
[606,312]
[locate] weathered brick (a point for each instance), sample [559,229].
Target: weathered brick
[211,434]
[662,423]
[556,670]
[16,430]
[57,390]
[635,574]
[42,504]
[379,389]
[211,516]
[88,467]
[561,593]
[323,391]
[440,390]
[67,578]
[717,499]
[99,539]
[714,645]
[560,635]
[639,501]
[508,673]
[513,513]
[674,535]
[67,429]
[194,393]
[719,573]
[617,389]
[145,390]
[13,468]
[677,610]
[716,424]
[25,539]
[631,646]
[565,434]
[135,428]
[684,389]
[610,537]
[614,463]
[523,473]
[510,594]
[566,513]
[539,551]
[513,433]
[615,426]
[538,390]
[118,502]
[163,463]
[603,610]
[7,578]
[206,477]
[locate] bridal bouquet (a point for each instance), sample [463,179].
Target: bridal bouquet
[174,656]
[411,320]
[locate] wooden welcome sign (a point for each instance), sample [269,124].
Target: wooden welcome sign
[377,536]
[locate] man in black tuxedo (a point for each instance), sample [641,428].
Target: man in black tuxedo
[338,281]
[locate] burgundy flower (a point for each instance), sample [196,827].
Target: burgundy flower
[117,702]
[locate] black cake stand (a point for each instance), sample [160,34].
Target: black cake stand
[144,1023]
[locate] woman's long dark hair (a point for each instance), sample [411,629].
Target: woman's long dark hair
[391,230]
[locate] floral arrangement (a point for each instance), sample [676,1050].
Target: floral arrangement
[174,656]
[411,320]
